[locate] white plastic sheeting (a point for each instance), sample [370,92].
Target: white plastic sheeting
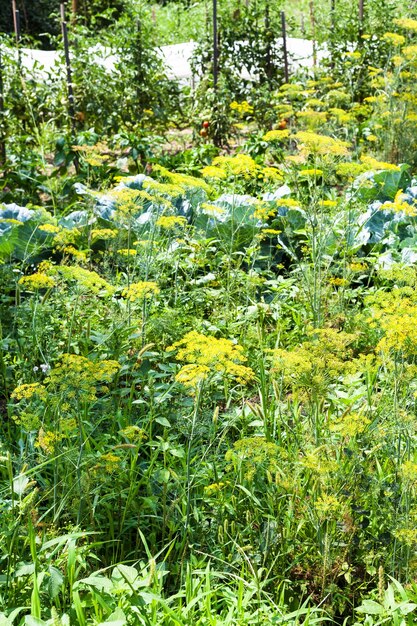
[177,58]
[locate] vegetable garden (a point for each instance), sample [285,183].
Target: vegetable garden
[208,309]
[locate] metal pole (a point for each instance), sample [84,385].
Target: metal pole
[284,46]
[215,46]
[17,25]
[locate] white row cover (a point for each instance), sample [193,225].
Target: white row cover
[177,58]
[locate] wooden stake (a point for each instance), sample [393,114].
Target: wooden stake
[361,14]
[71,100]
[17,26]
[284,46]
[14,8]
[215,46]
[313,28]
[2,120]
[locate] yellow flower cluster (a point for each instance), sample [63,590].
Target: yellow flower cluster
[48,440]
[407,23]
[254,455]
[238,165]
[211,355]
[212,209]
[351,425]
[28,391]
[242,108]
[85,278]
[315,144]
[103,233]
[182,181]
[127,252]
[276,135]
[170,221]
[394,38]
[38,280]
[77,376]
[140,291]
[400,205]
[325,356]
[327,506]
[49,228]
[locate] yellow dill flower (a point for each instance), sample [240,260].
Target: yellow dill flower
[170,221]
[271,231]
[242,108]
[272,174]
[409,52]
[351,425]
[103,233]
[77,377]
[127,252]
[79,255]
[313,118]
[11,220]
[408,536]
[134,433]
[212,209]
[318,462]
[353,55]
[192,375]
[312,143]
[49,228]
[177,179]
[111,462]
[38,280]
[165,188]
[288,202]
[276,135]
[85,278]
[140,291]
[238,165]
[214,488]
[254,456]
[373,164]
[357,266]
[328,203]
[338,282]
[211,171]
[342,116]
[311,172]
[407,23]
[47,440]
[219,355]
[400,204]
[264,211]
[409,471]
[28,391]
[327,506]
[394,38]
[315,362]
